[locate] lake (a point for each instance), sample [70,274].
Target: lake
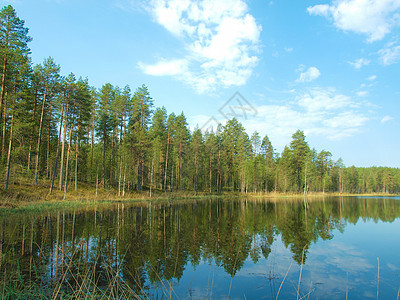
[319,248]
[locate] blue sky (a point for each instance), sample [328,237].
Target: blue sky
[330,68]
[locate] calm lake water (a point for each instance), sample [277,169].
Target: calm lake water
[202,249]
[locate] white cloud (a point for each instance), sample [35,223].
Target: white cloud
[220,39]
[317,111]
[362,93]
[358,63]
[162,68]
[318,99]
[387,119]
[374,18]
[311,74]
[390,54]
[371,78]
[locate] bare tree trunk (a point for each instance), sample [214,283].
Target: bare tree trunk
[33,131]
[123,186]
[3,77]
[48,146]
[9,152]
[104,161]
[3,140]
[97,180]
[180,167]
[151,180]
[255,173]
[139,173]
[29,157]
[63,147]
[76,157]
[58,150]
[305,181]
[66,164]
[119,180]
[196,170]
[210,173]
[112,157]
[219,169]
[40,134]
[166,164]
[91,150]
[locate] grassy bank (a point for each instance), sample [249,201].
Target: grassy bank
[24,197]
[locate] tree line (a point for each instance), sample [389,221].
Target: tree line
[60,131]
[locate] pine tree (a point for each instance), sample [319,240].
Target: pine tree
[268,153]
[48,75]
[197,151]
[300,150]
[105,122]
[158,134]
[255,145]
[14,53]
[181,140]
[139,124]
[211,153]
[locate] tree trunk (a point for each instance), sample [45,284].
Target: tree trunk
[58,150]
[63,147]
[166,164]
[40,134]
[48,146]
[151,179]
[219,169]
[180,167]
[91,150]
[255,172]
[3,77]
[123,185]
[210,166]
[66,163]
[76,156]
[9,152]
[233,170]
[3,140]
[196,171]
[33,130]
[112,157]
[119,180]
[305,181]
[266,172]
[104,160]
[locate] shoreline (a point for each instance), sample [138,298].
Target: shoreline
[20,198]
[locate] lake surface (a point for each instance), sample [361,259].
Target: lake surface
[208,249]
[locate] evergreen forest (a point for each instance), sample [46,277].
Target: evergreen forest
[61,132]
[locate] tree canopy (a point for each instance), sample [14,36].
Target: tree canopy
[60,129]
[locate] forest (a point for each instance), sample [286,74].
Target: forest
[61,132]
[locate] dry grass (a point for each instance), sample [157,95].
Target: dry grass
[27,196]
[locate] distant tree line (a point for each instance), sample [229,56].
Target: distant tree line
[62,131]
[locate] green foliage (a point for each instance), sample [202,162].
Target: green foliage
[55,126]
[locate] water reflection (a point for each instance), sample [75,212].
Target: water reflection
[146,248]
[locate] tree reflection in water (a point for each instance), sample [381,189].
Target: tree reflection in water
[151,244]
